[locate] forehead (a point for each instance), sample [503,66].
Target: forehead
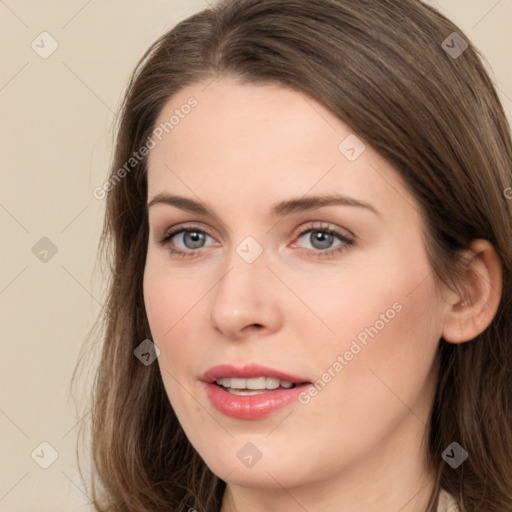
[259,143]
[244,122]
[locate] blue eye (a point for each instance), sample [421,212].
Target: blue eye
[321,239]
[192,239]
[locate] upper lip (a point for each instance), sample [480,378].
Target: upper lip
[248,371]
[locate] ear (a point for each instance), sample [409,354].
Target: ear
[471,311]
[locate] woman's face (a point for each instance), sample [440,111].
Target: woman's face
[303,265]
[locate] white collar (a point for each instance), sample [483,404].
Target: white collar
[447,503]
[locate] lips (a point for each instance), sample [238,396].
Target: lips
[252,391]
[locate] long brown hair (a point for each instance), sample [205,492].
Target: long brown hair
[381,66]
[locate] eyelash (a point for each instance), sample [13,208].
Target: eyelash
[346,241]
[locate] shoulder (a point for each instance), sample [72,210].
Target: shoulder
[447,503]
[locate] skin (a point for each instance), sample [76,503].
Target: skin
[360,440]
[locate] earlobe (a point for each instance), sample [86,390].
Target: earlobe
[469,315]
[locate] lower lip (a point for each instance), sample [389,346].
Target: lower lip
[252,407]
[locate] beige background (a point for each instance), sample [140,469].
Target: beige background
[56,125]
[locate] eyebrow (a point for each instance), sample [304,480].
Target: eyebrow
[282,208]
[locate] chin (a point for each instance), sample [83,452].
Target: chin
[265,470]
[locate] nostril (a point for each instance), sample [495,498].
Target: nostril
[255,326]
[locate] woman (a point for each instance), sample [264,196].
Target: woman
[311,237]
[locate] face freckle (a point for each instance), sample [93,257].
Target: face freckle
[359,326]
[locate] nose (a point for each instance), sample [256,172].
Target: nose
[245,300]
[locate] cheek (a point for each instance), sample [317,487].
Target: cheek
[371,300]
[171,304]
[387,343]
[176,308]
[165,303]
[168,297]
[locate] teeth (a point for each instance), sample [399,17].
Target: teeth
[237,383]
[254,383]
[271,383]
